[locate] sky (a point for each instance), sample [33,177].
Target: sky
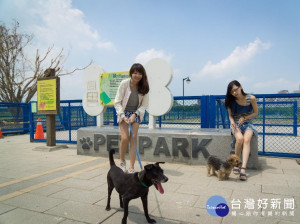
[212,42]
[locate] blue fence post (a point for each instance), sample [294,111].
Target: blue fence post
[295,118]
[26,118]
[218,112]
[223,113]
[212,112]
[264,125]
[115,117]
[69,121]
[31,121]
[159,121]
[204,112]
[65,116]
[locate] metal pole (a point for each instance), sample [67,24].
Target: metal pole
[188,80]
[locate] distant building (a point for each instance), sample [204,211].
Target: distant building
[283,92]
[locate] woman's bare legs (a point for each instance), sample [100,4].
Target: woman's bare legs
[124,139]
[135,128]
[246,150]
[239,141]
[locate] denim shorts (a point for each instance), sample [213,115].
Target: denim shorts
[128,115]
[246,126]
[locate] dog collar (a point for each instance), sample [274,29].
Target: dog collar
[142,183]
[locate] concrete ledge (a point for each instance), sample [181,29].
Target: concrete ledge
[50,148]
[169,145]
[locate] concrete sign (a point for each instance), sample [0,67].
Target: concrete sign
[186,146]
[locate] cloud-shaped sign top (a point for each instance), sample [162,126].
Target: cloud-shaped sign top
[91,97]
[159,73]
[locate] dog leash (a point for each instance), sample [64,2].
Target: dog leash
[135,147]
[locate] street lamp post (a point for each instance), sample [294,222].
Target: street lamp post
[187,79]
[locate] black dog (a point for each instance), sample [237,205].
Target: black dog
[131,186]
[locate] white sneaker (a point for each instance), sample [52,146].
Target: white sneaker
[131,170]
[123,166]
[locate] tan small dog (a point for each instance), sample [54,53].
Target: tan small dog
[222,167]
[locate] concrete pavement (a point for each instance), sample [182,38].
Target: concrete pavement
[63,187]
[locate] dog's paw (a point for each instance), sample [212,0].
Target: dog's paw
[208,174]
[151,220]
[107,208]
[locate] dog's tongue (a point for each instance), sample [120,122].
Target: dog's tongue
[159,187]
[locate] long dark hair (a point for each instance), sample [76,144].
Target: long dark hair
[143,86]
[229,99]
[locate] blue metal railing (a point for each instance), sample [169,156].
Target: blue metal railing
[14,118]
[279,117]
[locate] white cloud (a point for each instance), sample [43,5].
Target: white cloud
[71,86]
[65,26]
[230,64]
[242,79]
[147,55]
[106,45]
[55,22]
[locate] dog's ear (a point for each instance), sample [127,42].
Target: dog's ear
[231,159]
[148,167]
[159,163]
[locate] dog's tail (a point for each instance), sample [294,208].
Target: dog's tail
[111,157]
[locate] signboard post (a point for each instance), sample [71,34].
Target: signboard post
[48,100]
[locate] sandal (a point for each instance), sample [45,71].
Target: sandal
[243,176]
[236,171]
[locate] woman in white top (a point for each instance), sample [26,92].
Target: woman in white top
[130,104]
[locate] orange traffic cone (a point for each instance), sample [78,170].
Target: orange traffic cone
[39,133]
[1,136]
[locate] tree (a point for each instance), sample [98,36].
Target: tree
[18,74]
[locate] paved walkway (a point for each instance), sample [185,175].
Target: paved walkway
[63,187]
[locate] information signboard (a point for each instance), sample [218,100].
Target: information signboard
[109,84]
[48,95]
